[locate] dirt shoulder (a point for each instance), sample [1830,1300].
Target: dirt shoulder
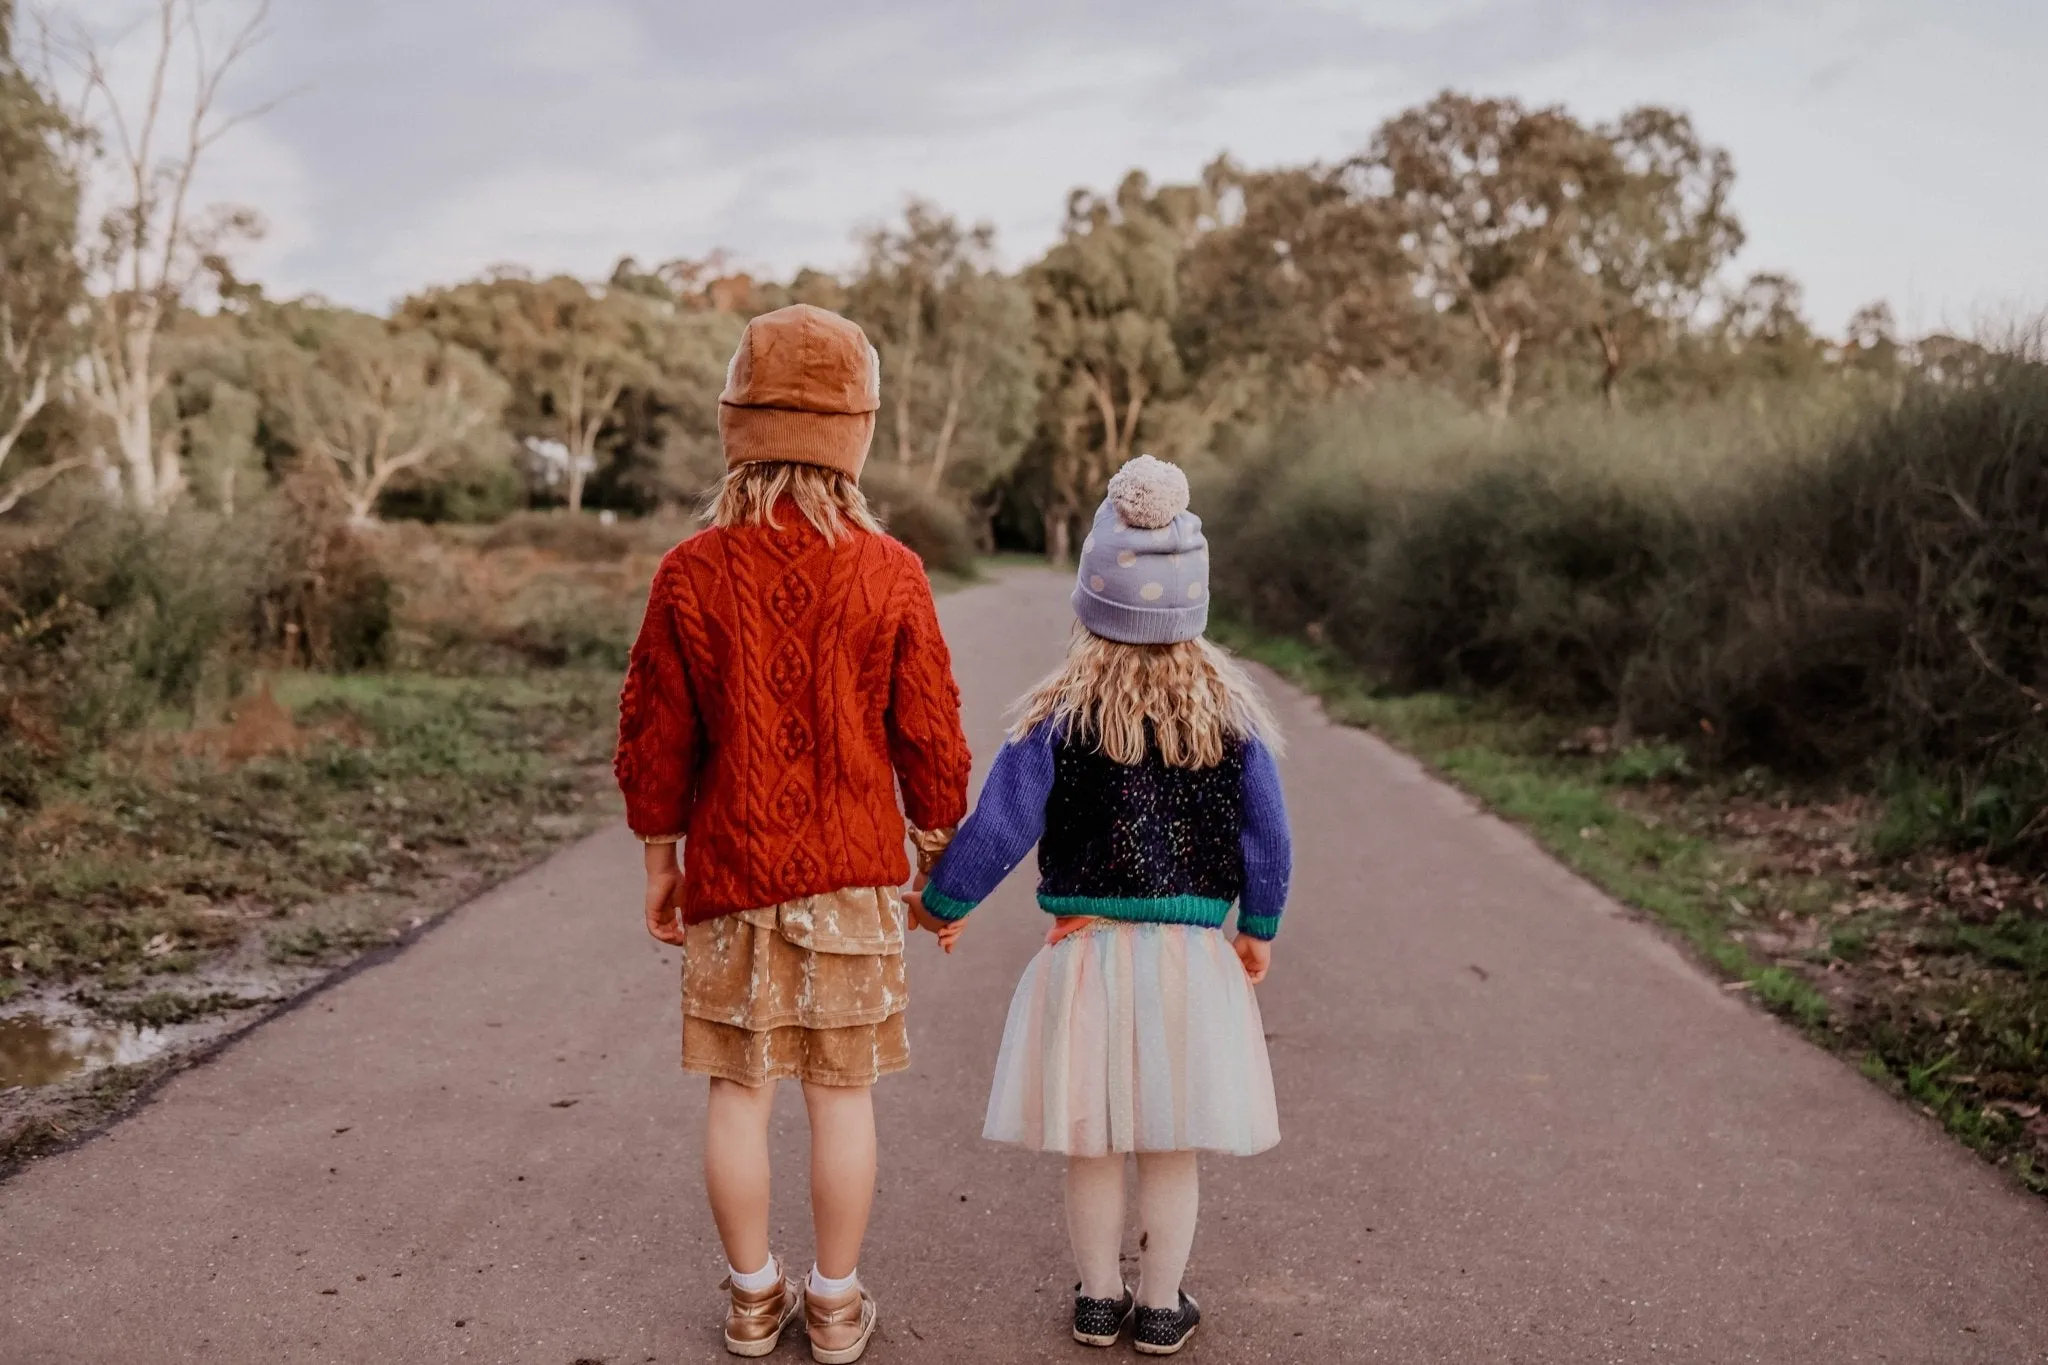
[195,882]
[192,881]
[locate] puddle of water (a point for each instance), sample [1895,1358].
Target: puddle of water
[35,1050]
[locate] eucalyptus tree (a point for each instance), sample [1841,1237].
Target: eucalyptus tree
[1491,198]
[958,362]
[40,278]
[1654,234]
[153,247]
[1106,298]
[384,406]
[571,353]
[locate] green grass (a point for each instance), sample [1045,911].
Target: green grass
[162,1009]
[1509,760]
[319,943]
[129,867]
[1963,1034]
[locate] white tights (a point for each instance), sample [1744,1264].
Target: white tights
[1168,1197]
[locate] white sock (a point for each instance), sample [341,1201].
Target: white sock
[764,1278]
[831,1289]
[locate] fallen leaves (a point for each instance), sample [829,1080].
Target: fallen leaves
[1934,966]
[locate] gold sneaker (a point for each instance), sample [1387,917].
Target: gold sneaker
[840,1327]
[754,1323]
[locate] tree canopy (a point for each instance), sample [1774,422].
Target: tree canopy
[1512,256]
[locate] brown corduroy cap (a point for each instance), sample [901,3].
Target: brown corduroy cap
[803,387]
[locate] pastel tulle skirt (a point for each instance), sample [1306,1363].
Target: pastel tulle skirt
[1134,1038]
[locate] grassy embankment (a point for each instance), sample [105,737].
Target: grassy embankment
[190,866]
[1763,676]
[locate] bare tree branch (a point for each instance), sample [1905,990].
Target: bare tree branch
[35,481]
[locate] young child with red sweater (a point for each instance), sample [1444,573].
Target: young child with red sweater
[788,681]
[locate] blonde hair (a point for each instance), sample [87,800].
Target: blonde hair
[748,496]
[1193,694]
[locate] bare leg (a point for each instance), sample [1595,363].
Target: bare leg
[1169,1194]
[1095,1222]
[842,1172]
[736,1169]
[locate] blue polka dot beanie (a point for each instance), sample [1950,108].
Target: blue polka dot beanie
[1144,576]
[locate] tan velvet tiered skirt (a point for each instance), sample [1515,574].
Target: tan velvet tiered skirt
[811,990]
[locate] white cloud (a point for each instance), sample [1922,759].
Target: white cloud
[1883,147]
[592,37]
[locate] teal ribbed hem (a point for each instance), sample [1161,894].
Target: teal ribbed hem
[1206,911]
[1258,926]
[944,906]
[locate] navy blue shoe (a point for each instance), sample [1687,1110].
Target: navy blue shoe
[1098,1322]
[1163,1331]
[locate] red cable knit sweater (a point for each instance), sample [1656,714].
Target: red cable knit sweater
[780,690]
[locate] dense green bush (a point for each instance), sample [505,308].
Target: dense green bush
[106,619]
[926,522]
[572,535]
[1822,590]
[472,495]
[109,618]
[320,598]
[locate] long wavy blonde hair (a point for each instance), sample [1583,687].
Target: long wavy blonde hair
[1194,694]
[828,500]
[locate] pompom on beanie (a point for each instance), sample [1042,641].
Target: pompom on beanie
[803,387]
[1144,577]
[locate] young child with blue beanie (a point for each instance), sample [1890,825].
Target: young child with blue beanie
[1144,772]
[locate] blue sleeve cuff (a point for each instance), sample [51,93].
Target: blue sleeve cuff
[1258,926]
[943,906]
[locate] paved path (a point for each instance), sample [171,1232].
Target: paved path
[1519,1128]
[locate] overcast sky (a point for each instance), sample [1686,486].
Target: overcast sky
[1883,148]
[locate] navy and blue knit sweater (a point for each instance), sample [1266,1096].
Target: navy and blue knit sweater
[1139,841]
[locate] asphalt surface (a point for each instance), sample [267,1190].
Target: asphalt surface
[1519,1127]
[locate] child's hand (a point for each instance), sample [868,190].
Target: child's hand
[664,881]
[946,931]
[1256,954]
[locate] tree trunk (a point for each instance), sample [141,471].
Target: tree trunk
[36,399]
[1504,380]
[902,382]
[117,390]
[34,481]
[1610,367]
[943,446]
[137,451]
[1059,537]
[582,459]
[575,496]
[376,471]
[170,471]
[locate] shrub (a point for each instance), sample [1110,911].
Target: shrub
[471,495]
[1819,590]
[926,522]
[571,535]
[1887,599]
[108,618]
[105,619]
[322,600]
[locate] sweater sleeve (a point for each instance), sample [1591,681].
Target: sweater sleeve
[659,724]
[1007,821]
[1268,846]
[927,746]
